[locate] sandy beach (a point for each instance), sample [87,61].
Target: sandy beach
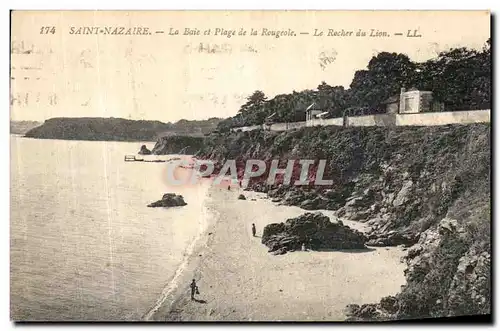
[240,281]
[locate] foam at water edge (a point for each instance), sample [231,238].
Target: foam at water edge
[204,221]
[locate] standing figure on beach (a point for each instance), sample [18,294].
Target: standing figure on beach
[254,231]
[194,289]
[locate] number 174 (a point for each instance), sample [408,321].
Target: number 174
[47,29]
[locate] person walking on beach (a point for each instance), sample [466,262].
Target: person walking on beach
[254,231]
[194,289]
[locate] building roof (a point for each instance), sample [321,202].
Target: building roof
[310,106]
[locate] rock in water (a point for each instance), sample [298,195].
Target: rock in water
[315,231]
[144,150]
[241,197]
[169,200]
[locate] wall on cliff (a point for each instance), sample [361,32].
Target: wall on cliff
[407,184]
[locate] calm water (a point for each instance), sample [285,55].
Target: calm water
[84,246]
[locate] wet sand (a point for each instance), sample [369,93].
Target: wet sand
[240,281]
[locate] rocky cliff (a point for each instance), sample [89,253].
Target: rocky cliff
[177,145]
[427,188]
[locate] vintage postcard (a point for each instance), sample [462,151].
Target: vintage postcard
[250,165]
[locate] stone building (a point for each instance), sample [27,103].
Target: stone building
[412,101]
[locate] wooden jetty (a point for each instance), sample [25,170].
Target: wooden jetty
[132,158]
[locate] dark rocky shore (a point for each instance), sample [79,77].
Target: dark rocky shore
[177,145]
[427,188]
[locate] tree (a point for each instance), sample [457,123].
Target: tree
[254,111]
[459,77]
[254,102]
[332,99]
[385,75]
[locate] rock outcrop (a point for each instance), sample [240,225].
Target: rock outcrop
[385,310]
[144,150]
[315,231]
[177,145]
[169,200]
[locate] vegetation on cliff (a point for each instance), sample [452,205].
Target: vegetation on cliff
[177,145]
[96,128]
[21,127]
[427,188]
[118,129]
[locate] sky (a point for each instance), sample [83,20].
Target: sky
[168,77]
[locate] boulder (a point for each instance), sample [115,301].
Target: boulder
[308,204]
[293,197]
[280,251]
[314,203]
[403,194]
[315,231]
[241,197]
[392,238]
[390,304]
[144,150]
[447,226]
[383,311]
[169,200]
[351,309]
[368,311]
[273,229]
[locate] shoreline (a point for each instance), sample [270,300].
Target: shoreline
[189,261]
[240,281]
[185,270]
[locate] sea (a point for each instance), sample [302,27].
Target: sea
[84,246]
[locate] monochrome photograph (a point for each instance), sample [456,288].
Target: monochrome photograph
[250,166]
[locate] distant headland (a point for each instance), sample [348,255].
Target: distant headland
[118,129]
